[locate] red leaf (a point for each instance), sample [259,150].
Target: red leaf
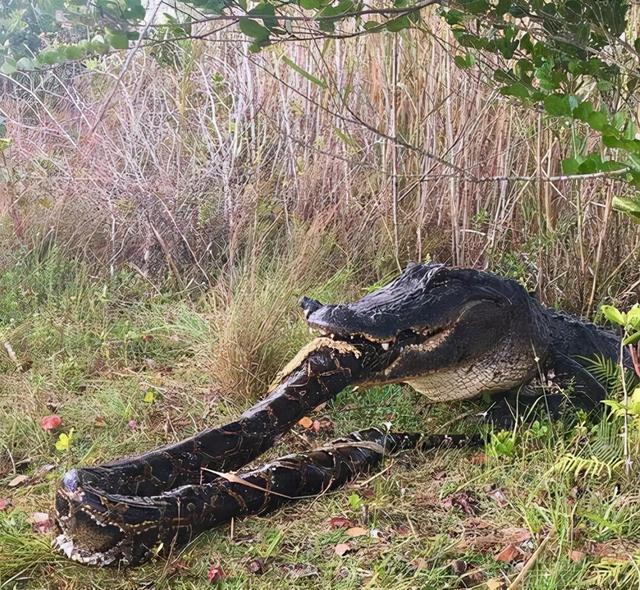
[215,574]
[510,553]
[339,522]
[50,423]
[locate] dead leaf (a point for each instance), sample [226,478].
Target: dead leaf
[256,566]
[510,553]
[41,522]
[356,531]
[18,480]
[342,549]
[479,459]
[515,535]
[215,574]
[339,522]
[4,504]
[465,501]
[300,570]
[322,425]
[576,556]
[498,497]
[50,423]
[99,422]
[305,422]
[420,563]
[495,584]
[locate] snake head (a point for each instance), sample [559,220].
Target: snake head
[88,532]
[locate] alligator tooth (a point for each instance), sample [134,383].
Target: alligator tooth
[385,346]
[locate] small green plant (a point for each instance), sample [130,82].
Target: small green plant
[501,444]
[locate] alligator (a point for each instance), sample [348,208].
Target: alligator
[450,333]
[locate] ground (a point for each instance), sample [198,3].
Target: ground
[127,370]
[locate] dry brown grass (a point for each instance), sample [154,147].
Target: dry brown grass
[187,163]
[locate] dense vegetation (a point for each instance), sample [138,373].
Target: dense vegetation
[162,209]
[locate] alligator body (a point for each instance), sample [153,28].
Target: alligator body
[451,333]
[456,334]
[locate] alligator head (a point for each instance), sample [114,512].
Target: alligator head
[450,333]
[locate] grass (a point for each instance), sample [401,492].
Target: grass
[103,353]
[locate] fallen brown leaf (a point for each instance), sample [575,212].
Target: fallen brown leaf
[215,574]
[342,549]
[495,584]
[498,496]
[5,503]
[465,501]
[510,553]
[356,531]
[99,422]
[576,556]
[18,480]
[256,566]
[305,422]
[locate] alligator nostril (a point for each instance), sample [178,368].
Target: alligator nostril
[309,305]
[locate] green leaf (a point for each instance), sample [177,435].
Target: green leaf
[571,166]
[557,105]
[629,206]
[118,40]
[25,64]
[266,12]
[9,67]
[251,28]
[632,339]
[398,24]
[64,441]
[149,396]
[597,120]
[294,66]
[310,4]
[519,90]
[5,142]
[465,61]
[613,315]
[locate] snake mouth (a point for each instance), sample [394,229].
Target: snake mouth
[83,535]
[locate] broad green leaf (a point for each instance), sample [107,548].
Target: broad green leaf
[294,66]
[597,120]
[465,61]
[9,67]
[5,142]
[614,315]
[557,105]
[571,166]
[519,90]
[310,4]
[398,24]
[118,40]
[149,396]
[252,28]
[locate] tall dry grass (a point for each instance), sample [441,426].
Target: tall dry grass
[179,162]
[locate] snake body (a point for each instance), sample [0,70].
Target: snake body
[124,512]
